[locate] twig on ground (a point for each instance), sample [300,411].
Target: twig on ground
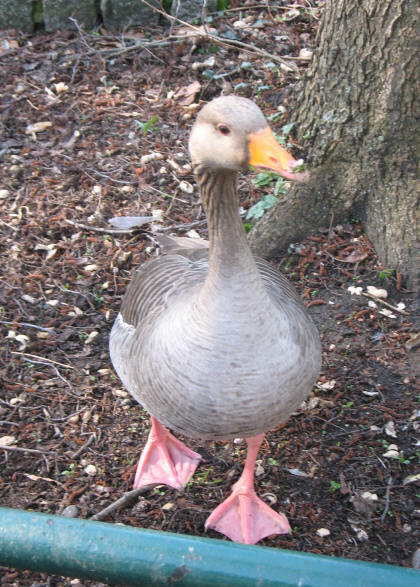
[126,499]
[387,498]
[20,449]
[27,325]
[82,448]
[107,176]
[387,304]
[80,31]
[99,229]
[131,230]
[28,356]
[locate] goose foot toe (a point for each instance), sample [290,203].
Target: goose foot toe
[244,517]
[165,460]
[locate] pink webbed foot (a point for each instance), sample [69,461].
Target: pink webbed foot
[165,460]
[243,516]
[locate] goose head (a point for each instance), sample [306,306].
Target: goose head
[231,133]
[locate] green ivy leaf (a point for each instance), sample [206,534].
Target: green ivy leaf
[257,210]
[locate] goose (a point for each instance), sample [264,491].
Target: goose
[214,343]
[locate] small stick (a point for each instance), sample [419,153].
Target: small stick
[388,490]
[98,228]
[135,228]
[387,304]
[82,448]
[19,449]
[46,361]
[127,498]
[27,325]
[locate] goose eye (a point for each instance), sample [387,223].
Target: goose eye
[223,129]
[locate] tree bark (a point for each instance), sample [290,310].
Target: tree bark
[357,117]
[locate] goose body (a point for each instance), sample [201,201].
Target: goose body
[214,365]
[214,343]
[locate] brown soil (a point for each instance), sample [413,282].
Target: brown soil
[64,272]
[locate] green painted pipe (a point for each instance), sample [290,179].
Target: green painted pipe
[120,555]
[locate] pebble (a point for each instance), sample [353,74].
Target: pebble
[392,452]
[7,440]
[377,292]
[305,54]
[90,470]
[70,511]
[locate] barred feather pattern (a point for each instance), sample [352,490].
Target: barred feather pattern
[235,363]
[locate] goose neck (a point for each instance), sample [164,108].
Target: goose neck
[228,250]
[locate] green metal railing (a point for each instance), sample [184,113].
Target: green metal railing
[120,555]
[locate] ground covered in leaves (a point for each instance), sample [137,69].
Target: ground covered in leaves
[93,128]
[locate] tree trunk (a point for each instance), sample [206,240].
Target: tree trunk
[357,117]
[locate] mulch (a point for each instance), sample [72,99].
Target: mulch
[91,131]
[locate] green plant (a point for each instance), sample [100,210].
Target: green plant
[257,210]
[202,478]
[274,117]
[402,460]
[264,179]
[146,126]
[267,177]
[285,129]
[99,298]
[263,89]
[222,5]
[386,273]
[70,471]
[334,485]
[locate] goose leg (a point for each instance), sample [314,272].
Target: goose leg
[165,460]
[244,517]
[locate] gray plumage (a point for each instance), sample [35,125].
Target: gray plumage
[212,342]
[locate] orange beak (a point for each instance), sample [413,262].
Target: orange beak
[265,151]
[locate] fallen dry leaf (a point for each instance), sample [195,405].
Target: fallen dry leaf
[37,127]
[186,95]
[377,292]
[353,257]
